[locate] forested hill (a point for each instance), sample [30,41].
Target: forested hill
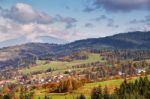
[27,53]
[122,40]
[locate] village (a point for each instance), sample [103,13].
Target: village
[36,80]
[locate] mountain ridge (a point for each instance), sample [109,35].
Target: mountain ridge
[31,51]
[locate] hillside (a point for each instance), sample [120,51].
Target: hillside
[27,53]
[122,40]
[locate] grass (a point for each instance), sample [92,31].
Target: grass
[86,89]
[59,65]
[62,66]
[60,96]
[104,83]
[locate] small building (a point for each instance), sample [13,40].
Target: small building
[139,71]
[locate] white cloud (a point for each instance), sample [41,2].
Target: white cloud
[24,13]
[10,29]
[23,20]
[147,27]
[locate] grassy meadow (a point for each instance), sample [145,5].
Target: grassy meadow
[86,89]
[60,66]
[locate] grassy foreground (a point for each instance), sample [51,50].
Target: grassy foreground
[86,89]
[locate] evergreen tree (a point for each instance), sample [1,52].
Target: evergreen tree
[7,96]
[140,89]
[96,93]
[82,96]
[106,93]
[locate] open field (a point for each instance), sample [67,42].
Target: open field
[60,66]
[86,89]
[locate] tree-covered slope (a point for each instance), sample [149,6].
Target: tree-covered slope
[28,53]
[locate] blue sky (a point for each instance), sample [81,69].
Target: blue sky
[72,19]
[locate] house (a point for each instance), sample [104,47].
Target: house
[140,71]
[3,82]
[120,73]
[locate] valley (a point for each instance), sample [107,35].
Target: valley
[74,49]
[43,71]
[87,69]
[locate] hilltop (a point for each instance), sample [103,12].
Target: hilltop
[26,54]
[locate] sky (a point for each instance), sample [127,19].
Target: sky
[72,19]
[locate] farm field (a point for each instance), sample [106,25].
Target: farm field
[60,66]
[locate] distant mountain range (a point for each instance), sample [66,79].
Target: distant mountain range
[39,39]
[11,56]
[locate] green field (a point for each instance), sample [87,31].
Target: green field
[86,89]
[60,66]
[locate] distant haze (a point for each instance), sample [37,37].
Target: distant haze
[39,39]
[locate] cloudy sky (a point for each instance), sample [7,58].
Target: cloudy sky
[71,19]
